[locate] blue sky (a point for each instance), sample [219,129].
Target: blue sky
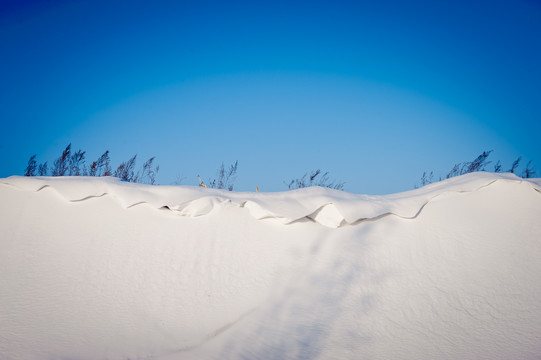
[375,93]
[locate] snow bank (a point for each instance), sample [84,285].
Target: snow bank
[94,268]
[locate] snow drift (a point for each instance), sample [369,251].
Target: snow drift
[94,268]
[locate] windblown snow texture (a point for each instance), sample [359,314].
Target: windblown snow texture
[325,206]
[94,268]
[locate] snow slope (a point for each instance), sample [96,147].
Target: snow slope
[94,268]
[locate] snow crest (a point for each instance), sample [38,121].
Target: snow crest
[327,207]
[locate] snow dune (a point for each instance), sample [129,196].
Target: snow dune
[94,268]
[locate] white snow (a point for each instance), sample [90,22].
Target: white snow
[94,268]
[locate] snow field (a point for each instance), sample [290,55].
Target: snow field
[98,269]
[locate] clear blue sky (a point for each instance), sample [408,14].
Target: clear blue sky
[374,92]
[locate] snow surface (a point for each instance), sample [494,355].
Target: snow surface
[94,268]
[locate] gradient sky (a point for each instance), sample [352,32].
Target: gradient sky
[374,92]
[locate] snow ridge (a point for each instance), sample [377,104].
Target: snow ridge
[327,207]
